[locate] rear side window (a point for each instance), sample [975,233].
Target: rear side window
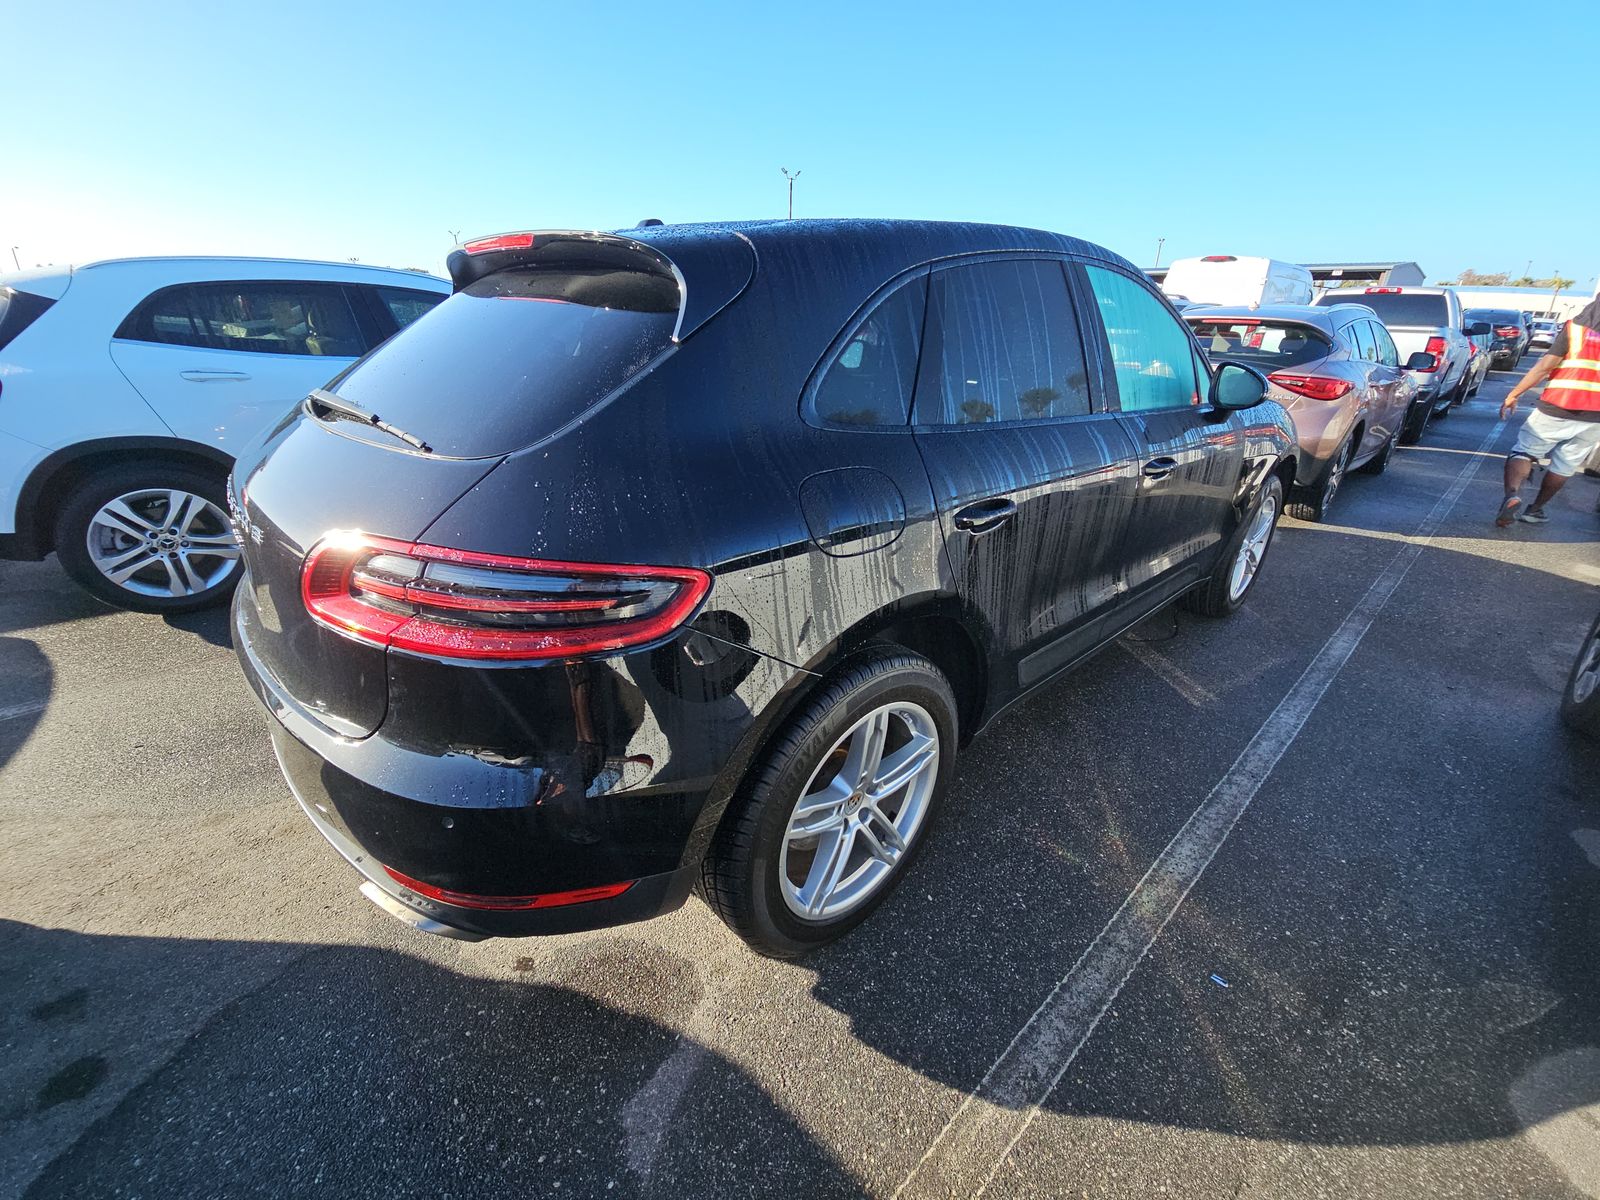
[1001,345]
[514,356]
[18,310]
[870,380]
[1366,345]
[1388,355]
[1401,308]
[405,305]
[1150,348]
[269,317]
[1270,344]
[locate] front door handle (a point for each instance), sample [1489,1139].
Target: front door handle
[213,376]
[1159,468]
[985,515]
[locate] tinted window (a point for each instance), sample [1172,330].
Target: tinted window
[869,381]
[18,310]
[515,356]
[1397,308]
[1149,346]
[1494,316]
[1270,344]
[1366,346]
[1002,345]
[405,305]
[1388,355]
[262,318]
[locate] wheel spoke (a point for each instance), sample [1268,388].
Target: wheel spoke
[175,584]
[882,836]
[126,565]
[833,856]
[193,507]
[193,581]
[123,519]
[902,767]
[228,549]
[819,811]
[866,750]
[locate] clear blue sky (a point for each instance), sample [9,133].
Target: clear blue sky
[335,130]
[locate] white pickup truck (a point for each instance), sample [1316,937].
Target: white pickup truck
[1429,320]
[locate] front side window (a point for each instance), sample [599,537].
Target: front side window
[1150,349]
[870,379]
[1002,345]
[405,305]
[261,318]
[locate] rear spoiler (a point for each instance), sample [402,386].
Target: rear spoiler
[720,263]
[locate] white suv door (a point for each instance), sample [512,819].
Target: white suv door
[219,361]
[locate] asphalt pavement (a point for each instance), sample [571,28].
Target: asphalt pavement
[1305,902]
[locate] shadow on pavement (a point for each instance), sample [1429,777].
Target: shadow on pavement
[29,681]
[345,1071]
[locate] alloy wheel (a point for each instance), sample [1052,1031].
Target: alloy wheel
[162,542]
[1253,549]
[859,812]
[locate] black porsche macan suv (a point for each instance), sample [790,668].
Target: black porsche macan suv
[687,557]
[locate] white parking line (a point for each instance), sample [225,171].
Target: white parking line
[992,1117]
[11,712]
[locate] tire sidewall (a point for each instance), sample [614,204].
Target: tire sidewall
[87,498]
[1272,483]
[1583,716]
[921,685]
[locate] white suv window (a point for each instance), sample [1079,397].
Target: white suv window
[269,317]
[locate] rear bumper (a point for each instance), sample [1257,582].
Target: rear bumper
[616,772]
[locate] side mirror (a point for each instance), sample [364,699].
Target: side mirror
[1237,386]
[1478,329]
[1422,361]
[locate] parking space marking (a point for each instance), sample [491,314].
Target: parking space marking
[12,711]
[992,1118]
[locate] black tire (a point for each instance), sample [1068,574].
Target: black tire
[1582,712]
[1313,503]
[1379,462]
[1214,597]
[739,877]
[1416,424]
[91,494]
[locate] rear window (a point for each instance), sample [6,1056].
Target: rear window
[1270,343]
[514,357]
[18,310]
[1398,308]
[1494,316]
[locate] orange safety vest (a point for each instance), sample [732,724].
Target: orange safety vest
[1575,384]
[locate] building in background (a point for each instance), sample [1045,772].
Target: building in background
[1331,275]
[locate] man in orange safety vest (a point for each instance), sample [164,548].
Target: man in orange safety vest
[1564,425]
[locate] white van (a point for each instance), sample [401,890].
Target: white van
[1227,279]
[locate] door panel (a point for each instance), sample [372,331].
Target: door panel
[1031,483]
[1189,457]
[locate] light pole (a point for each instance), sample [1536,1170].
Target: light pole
[1160,242]
[455,235]
[14,257]
[791,179]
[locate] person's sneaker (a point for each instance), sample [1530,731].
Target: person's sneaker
[1534,516]
[1508,511]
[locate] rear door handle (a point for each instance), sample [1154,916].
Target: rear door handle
[985,515]
[1160,468]
[213,376]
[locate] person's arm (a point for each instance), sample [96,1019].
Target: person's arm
[1535,376]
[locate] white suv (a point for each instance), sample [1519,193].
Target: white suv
[127,386]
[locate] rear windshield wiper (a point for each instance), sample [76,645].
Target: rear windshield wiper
[330,404]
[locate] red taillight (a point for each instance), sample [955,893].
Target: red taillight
[1507,330]
[1383,291]
[508,903]
[1435,347]
[1318,387]
[460,604]
[503,241]
[1219,258]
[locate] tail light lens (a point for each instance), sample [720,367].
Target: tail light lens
[1318,387]
[1507,330]
[501,241]
[1435,347]
[458,604]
